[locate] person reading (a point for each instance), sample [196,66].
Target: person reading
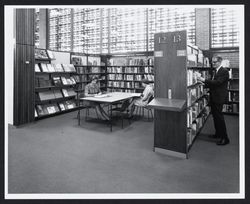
[93,89]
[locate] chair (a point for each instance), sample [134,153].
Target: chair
[122,111]
[82,105]
[140,109]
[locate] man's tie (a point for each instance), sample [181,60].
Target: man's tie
[214,75]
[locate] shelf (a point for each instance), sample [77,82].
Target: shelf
[37,89]
[196,135]
[54,100]
[90,65]
[110,87]
[130,66]
[201,97]
[199,114]
[231,79]
[125,80]
[233,102]
[194,85]
[233,90]
[176,105]
[57,113]
[56,73]
[36,59]
[200,68]
[230,113]
[129,73]
[91,73]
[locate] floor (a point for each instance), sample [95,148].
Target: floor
[55,155]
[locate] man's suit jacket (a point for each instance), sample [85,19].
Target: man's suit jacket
[218,86]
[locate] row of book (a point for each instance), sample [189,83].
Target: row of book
[233,85]
[231,108]
[55,94]
[44,67]
[195,93]
[197,124]
[46,81]
[84,60]
[90,70]
[192,76]
[47,109]
[233,96]
[140,61]
[128,70]
[197,60]
[122,84]
[194,111]
[121,90]
[233,73]
[44,54]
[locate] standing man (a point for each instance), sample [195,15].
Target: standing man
[218,96]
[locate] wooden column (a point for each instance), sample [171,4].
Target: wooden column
[24,66]
[170,73]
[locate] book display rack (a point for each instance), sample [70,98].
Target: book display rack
[54,85]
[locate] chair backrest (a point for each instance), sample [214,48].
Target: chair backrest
[150,98]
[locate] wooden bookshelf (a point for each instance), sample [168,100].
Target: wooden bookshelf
[232,106]
[175,130]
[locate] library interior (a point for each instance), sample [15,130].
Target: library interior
[123,100]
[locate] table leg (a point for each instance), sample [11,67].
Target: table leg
[79,116]
[111,117]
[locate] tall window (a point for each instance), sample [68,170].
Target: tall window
[171,19]
[224,27]
[60,29]
[37,27]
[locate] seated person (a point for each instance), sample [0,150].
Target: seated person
[93,89]
[144,98]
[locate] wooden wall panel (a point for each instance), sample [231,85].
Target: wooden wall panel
[170,69]
[170,130]
[25,25]
[170,73]
[23,84]
[24,66]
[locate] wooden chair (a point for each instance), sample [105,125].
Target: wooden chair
[139,110]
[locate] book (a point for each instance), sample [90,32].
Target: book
[58,94]
[64,81]
[65,93]
[66,68]
[62,107]
[36,113]
[40,110]
[72,68]
[73,80]
[50,68]
[46,95]
[51,109]
[37,69]
[58,68]
[50,54]
[57,81]
[71,92]
[41,54]
[44,67]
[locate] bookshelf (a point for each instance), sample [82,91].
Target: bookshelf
[54,85]
[177,65]
[125,73]
[232,107]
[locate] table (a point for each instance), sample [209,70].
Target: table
[110,98]
[168,104]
